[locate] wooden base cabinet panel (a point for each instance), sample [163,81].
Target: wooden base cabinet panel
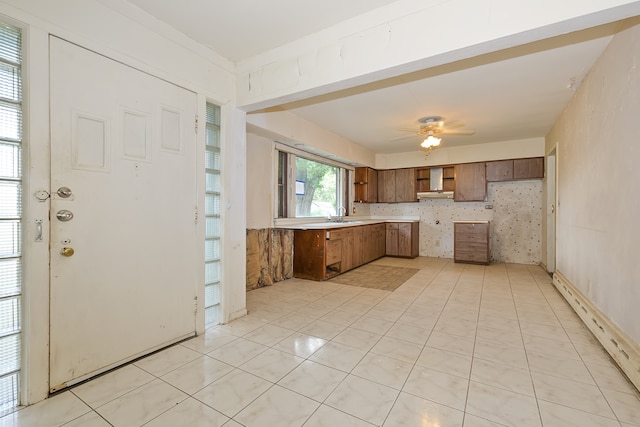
[402,239]
[309,251]
[323,254]
[471,242]
[373,242]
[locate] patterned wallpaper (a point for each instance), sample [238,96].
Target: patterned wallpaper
[516,221]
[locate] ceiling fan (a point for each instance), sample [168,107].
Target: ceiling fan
[433,126]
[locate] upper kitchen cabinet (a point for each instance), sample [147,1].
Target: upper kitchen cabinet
[387,186]
[397,185]
[406,185]
[471,182]
[532,168]
[366,185]
[509,170]
[501,170]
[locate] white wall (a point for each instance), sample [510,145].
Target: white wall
[293,130]
[125,34]
[532,147]
[260,181]
[598,183]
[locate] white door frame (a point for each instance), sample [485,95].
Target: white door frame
[551,208]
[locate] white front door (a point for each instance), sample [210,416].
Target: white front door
[123,144]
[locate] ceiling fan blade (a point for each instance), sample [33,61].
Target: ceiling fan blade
[455,125]
[406,137]
[457,131]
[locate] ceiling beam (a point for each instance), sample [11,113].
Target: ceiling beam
[408,36]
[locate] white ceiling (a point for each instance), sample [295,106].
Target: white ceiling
[510,95]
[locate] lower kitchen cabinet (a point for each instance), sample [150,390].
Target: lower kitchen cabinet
[324,253]
[402,239]
[471,242]
[373,242]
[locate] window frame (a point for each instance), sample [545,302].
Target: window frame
[288,173]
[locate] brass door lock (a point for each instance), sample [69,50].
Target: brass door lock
[67,252]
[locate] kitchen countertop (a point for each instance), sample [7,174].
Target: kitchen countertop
[335,224]
[471,222]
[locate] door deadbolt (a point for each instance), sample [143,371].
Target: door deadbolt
[64,192]
[64,215]
[67,252]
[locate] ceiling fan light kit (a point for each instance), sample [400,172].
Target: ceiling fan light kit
[430,141]
[431,126]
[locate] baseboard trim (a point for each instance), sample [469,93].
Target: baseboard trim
[237,314]
[622,348]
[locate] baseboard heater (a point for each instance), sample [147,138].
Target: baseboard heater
[622,348]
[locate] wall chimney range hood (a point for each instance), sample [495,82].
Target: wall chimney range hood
[435,187]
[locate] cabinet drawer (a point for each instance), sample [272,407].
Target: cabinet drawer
[472,229]
[471,246]
[334,251]
[472,256]
[339,233]
[461,238]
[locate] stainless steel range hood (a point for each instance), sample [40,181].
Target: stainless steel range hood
[435,195]
[435,186]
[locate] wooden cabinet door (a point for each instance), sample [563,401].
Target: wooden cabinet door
[405,239]
[501,170]
[347,251]
[406,185]
[367,243]
[392,239]
[372,186]
[387,186]
[358,255]
[528,168]
[379,240]
[471,182]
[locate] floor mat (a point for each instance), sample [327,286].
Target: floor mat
[382,277]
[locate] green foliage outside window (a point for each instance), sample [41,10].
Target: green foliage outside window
[320,196]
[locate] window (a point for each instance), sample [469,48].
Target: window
[10,214]
[318,189]
[212,213]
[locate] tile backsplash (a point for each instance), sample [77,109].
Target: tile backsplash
[516,221]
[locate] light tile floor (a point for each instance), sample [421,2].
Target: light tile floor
[456,345]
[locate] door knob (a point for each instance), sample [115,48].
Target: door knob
[64,215]
[67,252]
[64,192]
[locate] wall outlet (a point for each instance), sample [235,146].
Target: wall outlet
[488,206]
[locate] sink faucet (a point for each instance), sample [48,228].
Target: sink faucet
[342,212]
